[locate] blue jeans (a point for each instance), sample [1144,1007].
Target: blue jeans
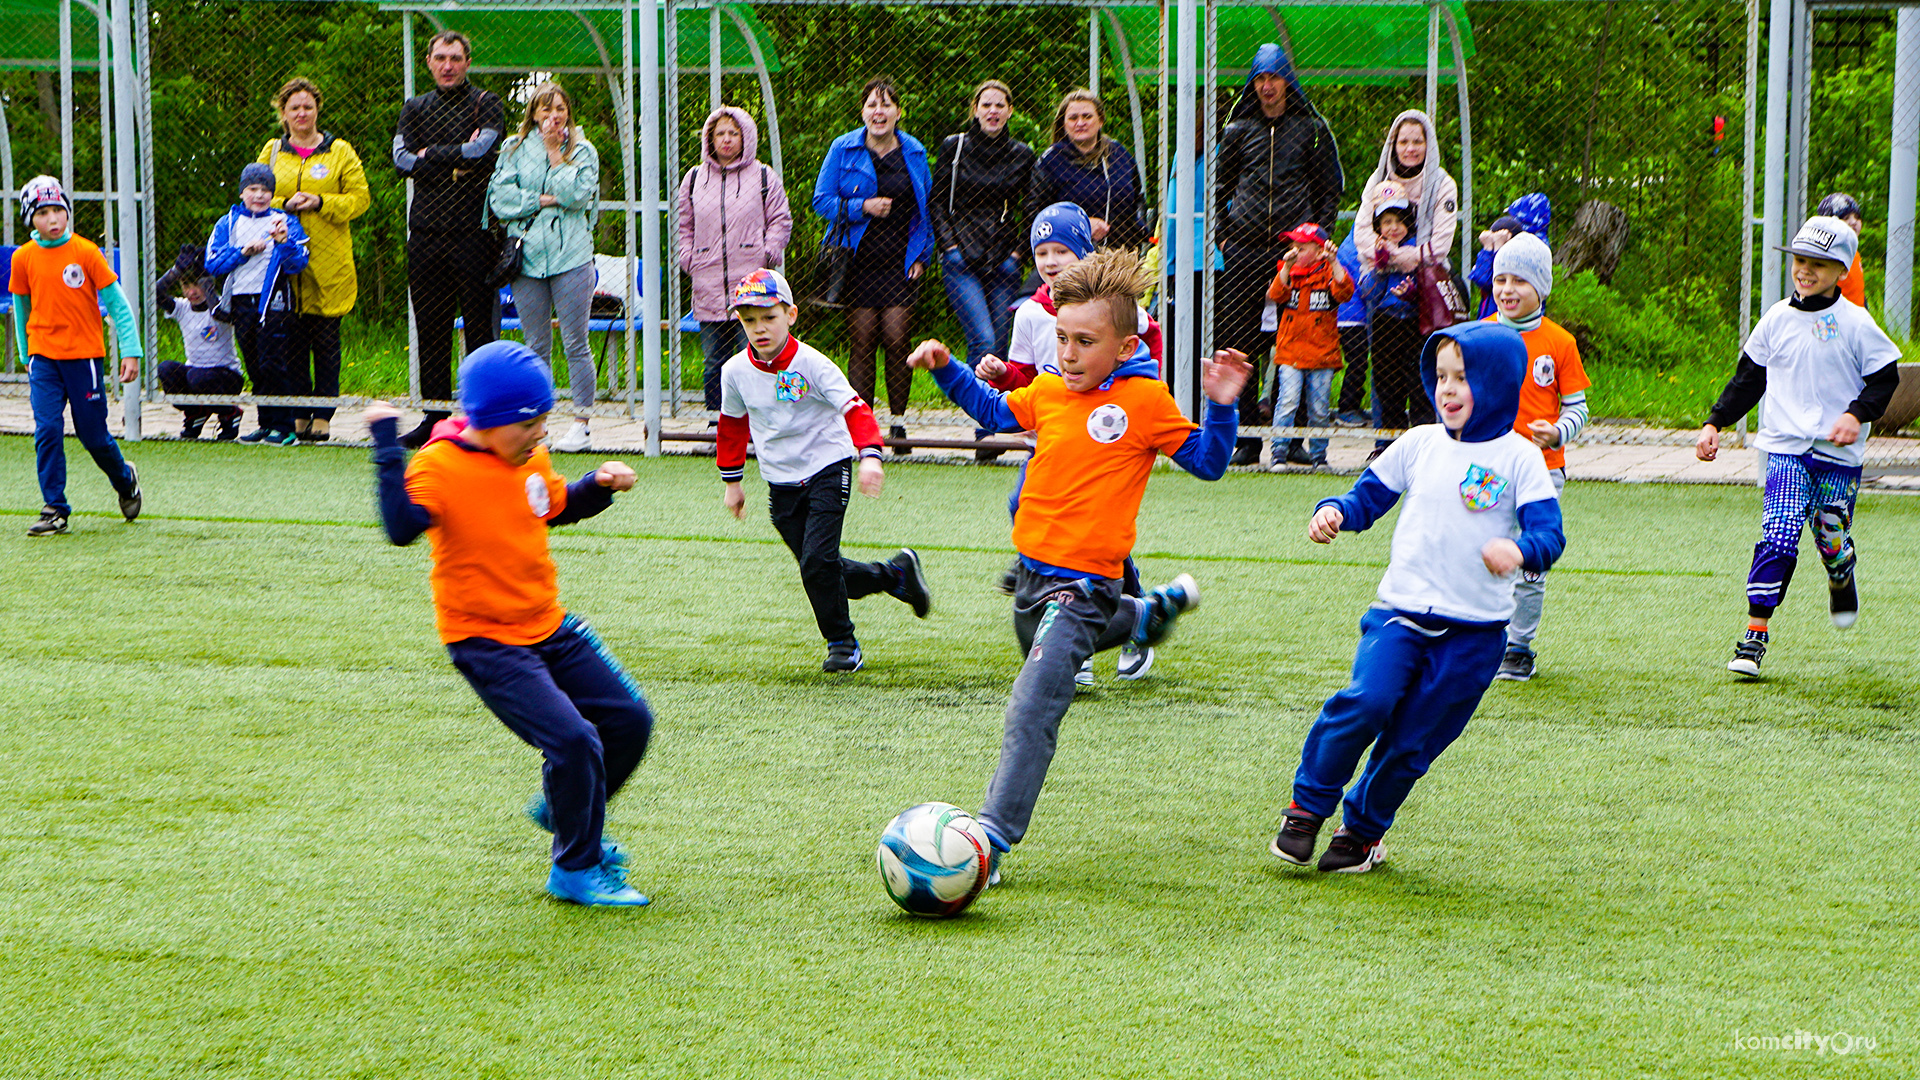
[719,342]
[982,300]
[1318,386]
[53,386]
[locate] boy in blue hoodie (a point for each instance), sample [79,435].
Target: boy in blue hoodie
[260,249]
[1480,508]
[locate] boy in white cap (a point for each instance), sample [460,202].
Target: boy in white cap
[1553,409]
[496,597]
[1826,373]
[61,283]
[808,427]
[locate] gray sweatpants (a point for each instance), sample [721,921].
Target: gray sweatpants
[1060,622]
[1530,590]
[567,297]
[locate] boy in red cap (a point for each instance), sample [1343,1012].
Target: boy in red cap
[1309,288]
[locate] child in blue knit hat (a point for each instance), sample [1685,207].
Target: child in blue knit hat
[484,491]
[260,250]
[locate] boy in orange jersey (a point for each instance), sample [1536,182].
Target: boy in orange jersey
[1553,409]
[1099,426]
[1309,285]
[485,493]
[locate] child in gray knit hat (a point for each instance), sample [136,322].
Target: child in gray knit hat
[260,250]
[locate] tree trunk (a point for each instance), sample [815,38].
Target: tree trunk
[1598,237]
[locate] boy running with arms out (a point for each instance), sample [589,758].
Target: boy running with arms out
[1479,508]
[1826,372]
[806,422]
[1099,424]
[485,493]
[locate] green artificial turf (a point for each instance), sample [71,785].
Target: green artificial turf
[254,824]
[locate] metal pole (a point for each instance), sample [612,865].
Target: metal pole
[1465,218]
[1898,310]
[1800,101]
[133,261]
[1750,121]
[1433,60]
[1186,77]
[1093,49]
[102,15]
[1207,53]
[413,324]
[1774,200]
[714,57]
[670,116]
[650,248]
[149,238]
[66,96]
[6,175]
[1171,242]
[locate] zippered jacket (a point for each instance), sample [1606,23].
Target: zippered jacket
[328,286]
[978,187]
[1275,173]
[553,239]
[734,218]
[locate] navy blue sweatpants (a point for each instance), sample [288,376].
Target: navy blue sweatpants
[568,698]
[1416,682]
[53,387]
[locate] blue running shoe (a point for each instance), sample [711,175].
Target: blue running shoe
[596,886]
[611,853]
[1159,609]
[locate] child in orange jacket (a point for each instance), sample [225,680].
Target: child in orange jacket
[1310,286]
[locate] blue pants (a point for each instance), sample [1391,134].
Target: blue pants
[1293,384]
[1802,491]
[568,698]
[982,302]
[1416,682]
[53,387]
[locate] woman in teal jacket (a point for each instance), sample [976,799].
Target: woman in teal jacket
[875,182]
[546,188]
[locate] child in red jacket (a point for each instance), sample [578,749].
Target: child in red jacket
[1309,287]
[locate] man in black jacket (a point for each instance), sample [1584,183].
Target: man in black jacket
[1277,168]
[446,144]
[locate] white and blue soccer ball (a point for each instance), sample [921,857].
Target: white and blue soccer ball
[933,859]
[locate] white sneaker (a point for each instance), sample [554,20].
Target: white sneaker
[1135,661]
[1083,679]
[574,440]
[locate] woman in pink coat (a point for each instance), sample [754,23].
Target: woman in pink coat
[733,220]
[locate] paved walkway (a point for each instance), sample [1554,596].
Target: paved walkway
[1605,452]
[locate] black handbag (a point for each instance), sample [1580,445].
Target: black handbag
[832,265]
[506,265]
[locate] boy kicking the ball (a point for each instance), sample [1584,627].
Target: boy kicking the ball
[1479,509]
[485,493]
[1099,426]
[806,420]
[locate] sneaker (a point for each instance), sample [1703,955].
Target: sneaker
[282,438]
[1009,582]
[574,440]
[257,435]
[319,431]
[1377,451]
[1843,602]
[1297,454]
[52,523]
[1516,666]
[993,869]
[899,431]
[596,886]
[1348,854]
[191,427]
[1298,832]
[1746,656]
[1247,453]
[984,454]
[417,438]
[611,853]
[1135,661]
[1083,679]
[130,502]
[1352,419]
[1159,608]
[913,582]
[229,427]
[843,656]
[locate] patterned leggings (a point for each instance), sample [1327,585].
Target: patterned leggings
[1802,491]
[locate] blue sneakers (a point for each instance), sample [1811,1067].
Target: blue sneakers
[1159,608]
[611,853]
[596,886]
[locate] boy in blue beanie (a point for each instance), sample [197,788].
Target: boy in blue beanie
[1479,509]
[260,250]
[543,672]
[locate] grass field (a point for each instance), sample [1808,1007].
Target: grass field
[256,826]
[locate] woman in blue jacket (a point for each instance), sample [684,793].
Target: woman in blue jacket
[876,182]
[1093,172]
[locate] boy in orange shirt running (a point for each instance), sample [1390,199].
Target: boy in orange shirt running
[1099,426]
[1553,409]
[485,493]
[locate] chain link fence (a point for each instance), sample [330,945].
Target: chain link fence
[1627,118]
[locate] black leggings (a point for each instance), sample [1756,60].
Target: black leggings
[881,328]
[1396,373]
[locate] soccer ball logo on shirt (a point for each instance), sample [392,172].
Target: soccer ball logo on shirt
[1543,370]
[72,276]
[1107,423]
[789,385]
[537,498]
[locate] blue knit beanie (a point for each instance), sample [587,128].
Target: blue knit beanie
[1065,224]
[503,382]
[257,173]
[1526,257]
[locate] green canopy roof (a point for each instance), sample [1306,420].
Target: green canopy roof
[30,35]
[1343,44]
[543,37]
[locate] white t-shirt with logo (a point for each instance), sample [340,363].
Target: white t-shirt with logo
[796,415]
[1034,340]
[250,277]
[1817,363]
[209,341]
[1456,496]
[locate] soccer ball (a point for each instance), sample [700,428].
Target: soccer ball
[933,859]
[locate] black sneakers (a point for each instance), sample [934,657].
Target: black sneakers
[130,502]
[843,657]
[1843,602]
[899,431]
[190,427]
[913,582]
[1747,654]
[1516,666]
[1246,452]
[1348,854]
[417,438]
[1298,831]
[229,427]
[52,523]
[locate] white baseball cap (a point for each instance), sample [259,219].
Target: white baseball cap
[1826,238]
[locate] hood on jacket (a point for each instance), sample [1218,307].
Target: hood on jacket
[1429,192]
[1271,59]
[749,137]
[282,146]
[1535,214]
[1496,362]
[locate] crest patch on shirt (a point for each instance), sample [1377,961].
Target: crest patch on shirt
[1826,326]
[537,498]
[318,172]
[72,276]
[1107,423]
[1482,488]
[1543,370]
[789,385]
